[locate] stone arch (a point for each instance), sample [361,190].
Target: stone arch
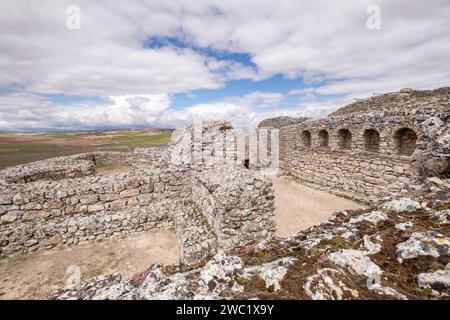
[324,138]
[306,139]
[344,139]
[405,141]
[371,139]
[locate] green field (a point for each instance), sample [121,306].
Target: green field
[57,135]
[56,144]
[27,147]
[143,139]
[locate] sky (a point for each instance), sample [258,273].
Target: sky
[76,65]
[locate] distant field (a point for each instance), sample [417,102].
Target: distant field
[18,148]
[26,147]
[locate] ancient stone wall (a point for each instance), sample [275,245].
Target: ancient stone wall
[48,213]
[365,155]
[280,122]
[203,201]
[237,203]
[51,169]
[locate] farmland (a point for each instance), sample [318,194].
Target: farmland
[18,148]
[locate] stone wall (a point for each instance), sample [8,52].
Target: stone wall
[280,122]
[48,213]
[404,98]
[203,201]
[50,169]
[237,203]
[369,154]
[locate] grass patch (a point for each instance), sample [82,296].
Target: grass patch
[141,139]
[14,153]
[57,135]
[26,147]
[92,273]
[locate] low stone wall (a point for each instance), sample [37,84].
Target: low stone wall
[88,208]
[367,177]
[210,206]
[79,165]
[50,169]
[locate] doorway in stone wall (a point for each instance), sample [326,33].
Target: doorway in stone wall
[405,141]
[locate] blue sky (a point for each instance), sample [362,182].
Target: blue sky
[276,83]
[161,64]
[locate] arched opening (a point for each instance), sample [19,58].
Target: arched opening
[306,139]
[371,140]
[323,139]
[344,139]
[405,141]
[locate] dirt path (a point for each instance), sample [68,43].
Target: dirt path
[37,275]
[299,207]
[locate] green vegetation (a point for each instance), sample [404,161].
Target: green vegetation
[19,148]
[26,147]
[141,139]
[57,135]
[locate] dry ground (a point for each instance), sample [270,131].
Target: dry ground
[299,207]
[37,275]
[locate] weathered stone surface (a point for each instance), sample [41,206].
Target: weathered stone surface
[431,126]
[280,122]
[327,284]
[334,260]
[237,203]
[402,205]
[443,217]
[356,261]
[372,217]
[272,273]
[423,244]
[439,280]
[404,225]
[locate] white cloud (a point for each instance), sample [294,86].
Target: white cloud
[106,56]
[302,91]
[257,99]
[325,42]
[37,112]
[117,111]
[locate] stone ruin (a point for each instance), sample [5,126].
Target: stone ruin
[371,148]
[61,202]
[391,150]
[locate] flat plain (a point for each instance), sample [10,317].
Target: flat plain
[18,148]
